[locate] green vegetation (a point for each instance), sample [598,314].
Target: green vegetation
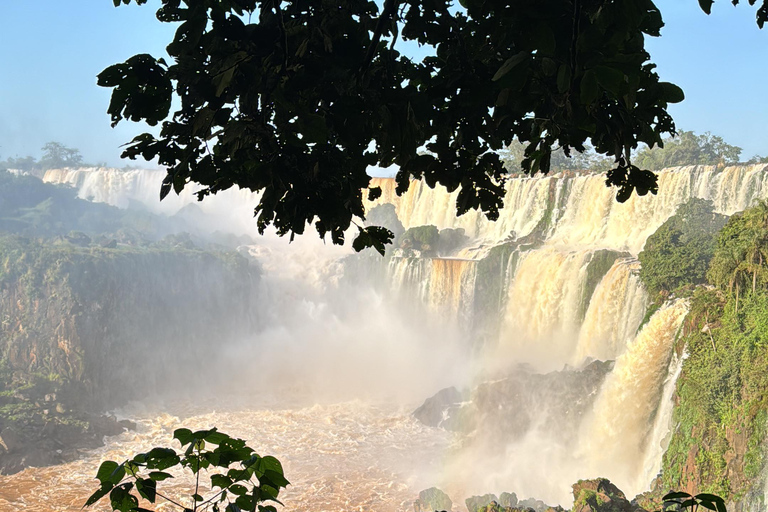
[740,258]
[420,238]
[687,148]
[721,414]
[677,255]
[239,465]
[33,208]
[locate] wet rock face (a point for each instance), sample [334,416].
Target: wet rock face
[438,408]
[516,401]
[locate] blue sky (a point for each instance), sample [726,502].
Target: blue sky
[51,52]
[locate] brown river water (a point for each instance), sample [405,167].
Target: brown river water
[349,456]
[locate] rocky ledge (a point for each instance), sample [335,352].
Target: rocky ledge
[41,426]
[596,495]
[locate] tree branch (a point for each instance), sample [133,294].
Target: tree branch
[386,14]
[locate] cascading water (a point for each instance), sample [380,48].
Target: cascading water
[614,437]
[615,311]
[568,291]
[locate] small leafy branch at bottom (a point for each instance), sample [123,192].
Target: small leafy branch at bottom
[245,481]
[683,501]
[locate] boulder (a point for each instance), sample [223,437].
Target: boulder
[480,503]
[600,495]
[432,499]
[533,504]
[433,411]
[508,499]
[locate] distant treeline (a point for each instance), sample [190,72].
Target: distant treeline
[687,148]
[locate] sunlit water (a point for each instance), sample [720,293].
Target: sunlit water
[348,456]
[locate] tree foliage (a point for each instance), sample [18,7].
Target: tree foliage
[57,156]
[679,252]
[588,160]
[687,148]
[245,479]
[740,260]
[297,98]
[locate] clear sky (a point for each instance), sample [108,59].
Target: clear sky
[51,52]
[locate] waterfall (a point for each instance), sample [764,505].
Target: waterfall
[445,285]
[661,431]
[564,286]
[614,437]
[542,312]
[615,312]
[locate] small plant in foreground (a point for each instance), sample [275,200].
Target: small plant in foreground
[683,501]
[245,481]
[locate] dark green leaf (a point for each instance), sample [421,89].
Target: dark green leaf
[159,476]
[103,491]
[672,93]
[107,468]
[510,64]
[589,88]
[184,435]
[706,5]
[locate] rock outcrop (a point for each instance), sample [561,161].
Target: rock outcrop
[432,499]
[600,495]
[516,400]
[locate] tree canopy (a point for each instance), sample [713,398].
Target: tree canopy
[295,99]
[55,156]
[687,148]
[679,252]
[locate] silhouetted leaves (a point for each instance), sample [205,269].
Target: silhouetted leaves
[296,100]
[238,461]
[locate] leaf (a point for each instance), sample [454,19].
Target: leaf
[313,128]
[103,491]
[159,476]
[147,489]
[611,79]
[374,193]
[222,481]
[372,236]
[510,64]
[106,470]
[706,5]
[161,458]
[222,80]
[238,490]
[672,93]
[216,437]
[589,88]
[709,497]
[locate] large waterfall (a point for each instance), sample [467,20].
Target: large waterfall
[559,274]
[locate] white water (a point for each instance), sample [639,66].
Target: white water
[541,320]
[614,438]
[615,311]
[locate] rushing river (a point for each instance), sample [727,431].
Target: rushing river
[343,457]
